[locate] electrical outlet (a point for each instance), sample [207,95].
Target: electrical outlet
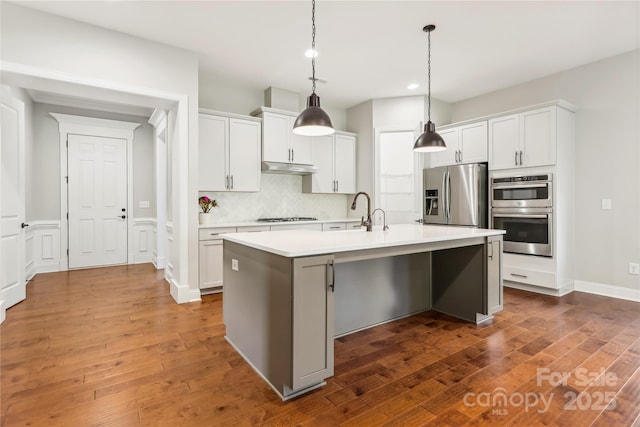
[606,204]
[634,268]
[234,264]
[143,203]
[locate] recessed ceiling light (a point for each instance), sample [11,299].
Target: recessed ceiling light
[413,86]
[311,53]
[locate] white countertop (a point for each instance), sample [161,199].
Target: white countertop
[297,243]
[222,224]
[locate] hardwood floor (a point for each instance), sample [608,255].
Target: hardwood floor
[111,347]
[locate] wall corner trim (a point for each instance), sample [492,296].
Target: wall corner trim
[183,294]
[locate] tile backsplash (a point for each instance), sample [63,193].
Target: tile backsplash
[279,196]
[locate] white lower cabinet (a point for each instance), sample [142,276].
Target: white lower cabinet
[210,257]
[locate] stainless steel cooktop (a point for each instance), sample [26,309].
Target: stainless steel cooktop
[288,219]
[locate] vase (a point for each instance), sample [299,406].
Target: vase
[205,218]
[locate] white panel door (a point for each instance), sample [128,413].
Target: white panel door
[323,181]
[213,137]
[473,143]
[504,142]
[244,155]
[301,146]
[538,137]
[275,138]
[447,157]
[345,164]
[97,201]
[12,210]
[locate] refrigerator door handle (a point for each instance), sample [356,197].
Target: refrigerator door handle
[447,196]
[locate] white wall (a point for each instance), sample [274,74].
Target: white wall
[224,94]
[607,95]
[42,46]
[279,196]
[44,199]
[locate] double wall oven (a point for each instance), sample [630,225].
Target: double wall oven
[523,207]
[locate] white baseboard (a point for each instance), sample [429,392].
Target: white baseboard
[183,294]
[3,311]
[608,290]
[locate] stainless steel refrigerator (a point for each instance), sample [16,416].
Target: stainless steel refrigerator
[456,195]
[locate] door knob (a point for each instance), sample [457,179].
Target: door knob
[123,216]
[123,209]
[24,224]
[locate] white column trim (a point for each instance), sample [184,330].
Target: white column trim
[70,124]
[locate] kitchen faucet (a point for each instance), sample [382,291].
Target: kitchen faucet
[368,222]
[385,227]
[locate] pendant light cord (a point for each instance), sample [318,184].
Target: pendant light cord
[313,45]
[429,72]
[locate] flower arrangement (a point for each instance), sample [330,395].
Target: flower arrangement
[206,204]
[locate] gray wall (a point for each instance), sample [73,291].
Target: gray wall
[43,201]
[607,95]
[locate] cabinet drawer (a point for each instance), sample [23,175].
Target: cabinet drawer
[253,228]
[214,233]
[353,225]
[334,226]
[530,277]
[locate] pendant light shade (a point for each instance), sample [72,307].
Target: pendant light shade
[313,121]
[429,141]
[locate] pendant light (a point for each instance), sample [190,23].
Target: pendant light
[429,141]
[313,121]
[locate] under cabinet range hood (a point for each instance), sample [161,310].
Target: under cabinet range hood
[288,168]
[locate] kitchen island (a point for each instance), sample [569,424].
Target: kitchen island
[288,294]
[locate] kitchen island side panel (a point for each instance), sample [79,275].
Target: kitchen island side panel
[257,310]
[374,291]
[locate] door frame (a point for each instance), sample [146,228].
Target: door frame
[70,124]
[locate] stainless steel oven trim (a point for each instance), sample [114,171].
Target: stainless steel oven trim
[528,203]
[527,248]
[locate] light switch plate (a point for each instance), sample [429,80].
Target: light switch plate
[143,203]
[234,264]
[606,204]
[634,268]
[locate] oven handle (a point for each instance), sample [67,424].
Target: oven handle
[506,215]
[517,185]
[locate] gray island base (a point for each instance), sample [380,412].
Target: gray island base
[288,294]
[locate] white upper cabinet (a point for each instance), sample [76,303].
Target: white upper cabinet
[229,158]
[465,144]
[335,157]
[280,144]
[345,163]
[525,139]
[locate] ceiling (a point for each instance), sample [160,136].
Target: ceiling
[374,49]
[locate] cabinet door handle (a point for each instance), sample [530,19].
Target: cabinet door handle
[520,158]
[516,159]
[524,276]
[334,228]
[293,155]
[331,278]
[337,185]
[490,250]
[460,156]
[226,182]
[232,182]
